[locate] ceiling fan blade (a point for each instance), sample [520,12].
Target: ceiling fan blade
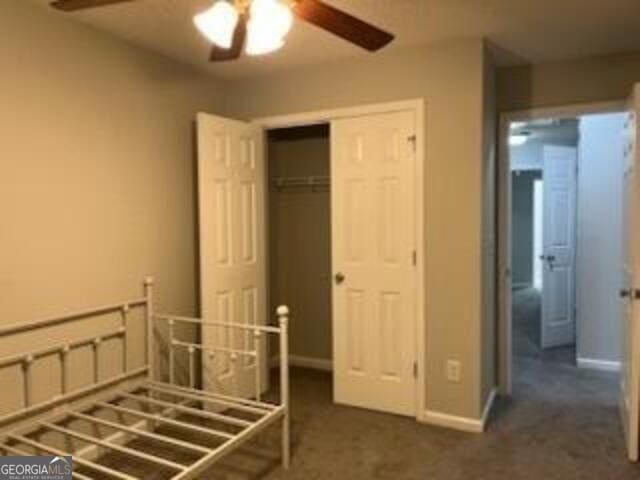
[73,5]
[342,24]
[239,35]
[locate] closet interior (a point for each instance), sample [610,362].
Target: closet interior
[300,238]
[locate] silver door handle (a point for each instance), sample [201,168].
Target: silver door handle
[630,293]
[549,259]
[339,277]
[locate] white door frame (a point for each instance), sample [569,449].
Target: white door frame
[417,106]
[504,218]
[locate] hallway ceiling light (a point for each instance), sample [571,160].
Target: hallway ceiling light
[518,139]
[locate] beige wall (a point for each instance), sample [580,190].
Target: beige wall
[593,79]
[449,78]
[300,234]
[96,168]
[97,173]
[98,189]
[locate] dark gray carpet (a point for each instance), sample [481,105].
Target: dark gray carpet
[526,331]
[526,321]
[562,423]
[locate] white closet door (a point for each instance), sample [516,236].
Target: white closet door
[630,372]
[373,240]
[231,183]
[559,231]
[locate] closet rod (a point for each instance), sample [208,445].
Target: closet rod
[311,181]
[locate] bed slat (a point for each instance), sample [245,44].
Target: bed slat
[142,433]
[168,421]
[197,468]
[189,410]
[112,446]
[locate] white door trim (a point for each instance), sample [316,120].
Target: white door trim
[325,116]
[504,218]
[418,107]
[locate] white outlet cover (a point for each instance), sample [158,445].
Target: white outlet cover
[453,370]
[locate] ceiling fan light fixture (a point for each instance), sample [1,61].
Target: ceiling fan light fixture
[273,13]
[218,23]
[226,24]
[261,42]
[269,23]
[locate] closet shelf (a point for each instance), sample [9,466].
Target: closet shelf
[299,182]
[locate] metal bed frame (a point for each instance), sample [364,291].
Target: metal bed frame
[53,414]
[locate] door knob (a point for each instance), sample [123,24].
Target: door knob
[549,259]
[339,278]
[630,293]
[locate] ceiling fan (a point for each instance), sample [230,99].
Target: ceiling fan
[260,26]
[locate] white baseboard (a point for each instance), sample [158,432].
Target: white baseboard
[309,362]
[488,406]
[464,424]
[593,364]
[306,362]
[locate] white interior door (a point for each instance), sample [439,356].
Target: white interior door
[373,238]
[630,371]
[231,184]
[559,232]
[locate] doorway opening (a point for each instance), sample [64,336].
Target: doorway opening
[563,232]
[368,162]
[566,231]
[298,166]
[345,230]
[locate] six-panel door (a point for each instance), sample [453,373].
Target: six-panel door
[559,232]
[373,243]
[630,364]
[232,249]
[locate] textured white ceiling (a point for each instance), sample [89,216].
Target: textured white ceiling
[524,30]
[564,131]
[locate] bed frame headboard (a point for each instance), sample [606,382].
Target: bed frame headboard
[27,359]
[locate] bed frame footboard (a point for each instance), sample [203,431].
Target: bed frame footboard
[228,419]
